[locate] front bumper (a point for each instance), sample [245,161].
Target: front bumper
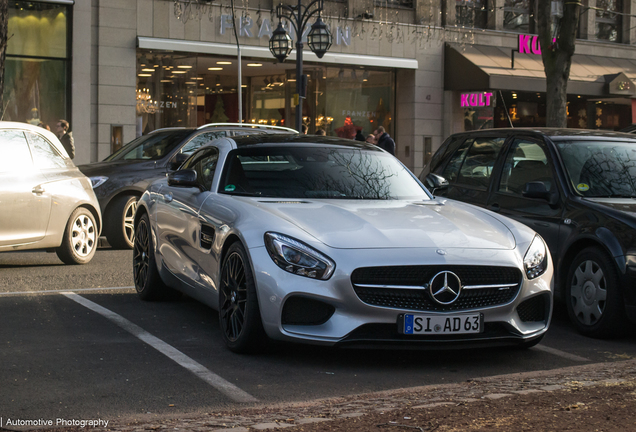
[335,315]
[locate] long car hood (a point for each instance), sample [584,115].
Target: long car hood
[625,205]
[106,168]
[389,224]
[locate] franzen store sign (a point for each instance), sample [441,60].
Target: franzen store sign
[478,99]
[248,28]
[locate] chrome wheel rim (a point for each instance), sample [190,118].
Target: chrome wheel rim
[233,296]
[83,235]
[141,258]
[129,221]
[588,293]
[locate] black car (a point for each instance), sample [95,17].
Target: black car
[122,177]
[577,189]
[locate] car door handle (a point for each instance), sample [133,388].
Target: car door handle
[38,190]
[167,197]
[494,207]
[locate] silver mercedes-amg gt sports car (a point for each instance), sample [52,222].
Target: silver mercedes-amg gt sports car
[335,242]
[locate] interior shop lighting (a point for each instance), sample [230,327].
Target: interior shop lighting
[184,67]
[224,62]
[179,72]
[255,64]
[215,68]
[144,75]
[147,70]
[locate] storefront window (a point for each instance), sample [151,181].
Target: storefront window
[607,22]
[471,13]
[36,68]
[191,90]
[517,15]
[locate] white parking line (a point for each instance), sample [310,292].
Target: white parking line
[169,351]
[65,290]
[560,353]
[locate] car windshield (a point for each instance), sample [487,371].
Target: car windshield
[600,168]
[318,172]
[150,147]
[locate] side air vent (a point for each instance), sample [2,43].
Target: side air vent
[207,236]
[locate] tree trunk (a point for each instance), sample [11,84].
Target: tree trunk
[557,58]
[4,22]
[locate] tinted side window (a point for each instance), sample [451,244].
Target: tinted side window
[480,160]
[446,147]
[15,152]
[44,155]
[526,162]
[452,168]
[201,139]
[204,163]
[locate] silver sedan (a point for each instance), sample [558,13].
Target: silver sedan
[335,242]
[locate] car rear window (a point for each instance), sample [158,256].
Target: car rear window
[152,146]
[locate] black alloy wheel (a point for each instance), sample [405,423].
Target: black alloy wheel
[140,254]
[239,314]
[148,282]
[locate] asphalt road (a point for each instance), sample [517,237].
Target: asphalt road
[76,342]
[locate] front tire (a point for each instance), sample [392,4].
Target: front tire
[119,222]
[593,298]
[239,314]
[80,238]
[148,282]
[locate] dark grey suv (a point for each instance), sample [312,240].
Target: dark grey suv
[577,189]
[121,178]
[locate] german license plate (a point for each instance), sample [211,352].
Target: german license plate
[420,324]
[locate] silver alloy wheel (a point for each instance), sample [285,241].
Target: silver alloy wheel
[83,235]
[588,292]
[129,221]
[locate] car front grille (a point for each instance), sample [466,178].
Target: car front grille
[405,287]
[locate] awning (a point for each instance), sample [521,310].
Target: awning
[264,53]
[479,67]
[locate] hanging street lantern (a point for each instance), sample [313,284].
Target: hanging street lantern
[280,45]
[319,38]
[319,41]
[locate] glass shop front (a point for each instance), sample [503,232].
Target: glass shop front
[182,89]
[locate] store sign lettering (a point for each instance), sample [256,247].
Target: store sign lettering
[529,44]
[358,113]
[247,28]
[156,104]
[476,99]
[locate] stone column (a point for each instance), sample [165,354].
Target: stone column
[496,15]
[83,47]
[116,71]
[587,23]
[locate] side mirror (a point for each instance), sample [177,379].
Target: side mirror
[177,161]
[537,189]
[435,182]
[183,178]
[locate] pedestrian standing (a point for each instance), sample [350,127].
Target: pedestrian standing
[384,140]
[63,132]
[321,132]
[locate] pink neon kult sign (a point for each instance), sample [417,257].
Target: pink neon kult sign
[476,99]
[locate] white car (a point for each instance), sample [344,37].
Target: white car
[335,242]
[45,201]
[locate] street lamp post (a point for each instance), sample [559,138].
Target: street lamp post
[318,39]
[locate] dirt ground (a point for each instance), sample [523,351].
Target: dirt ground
[594,397]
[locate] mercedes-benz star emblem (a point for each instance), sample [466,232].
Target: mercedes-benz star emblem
[445,287]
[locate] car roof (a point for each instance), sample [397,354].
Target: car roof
[556,133]
[37,129]
[286,139]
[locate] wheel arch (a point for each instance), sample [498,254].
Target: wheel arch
[578,246]
[125,192]
[96,215]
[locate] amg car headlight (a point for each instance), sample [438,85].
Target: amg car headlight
[98,181]
[298,258]
[535,261]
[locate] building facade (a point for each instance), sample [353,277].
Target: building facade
[117,69]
